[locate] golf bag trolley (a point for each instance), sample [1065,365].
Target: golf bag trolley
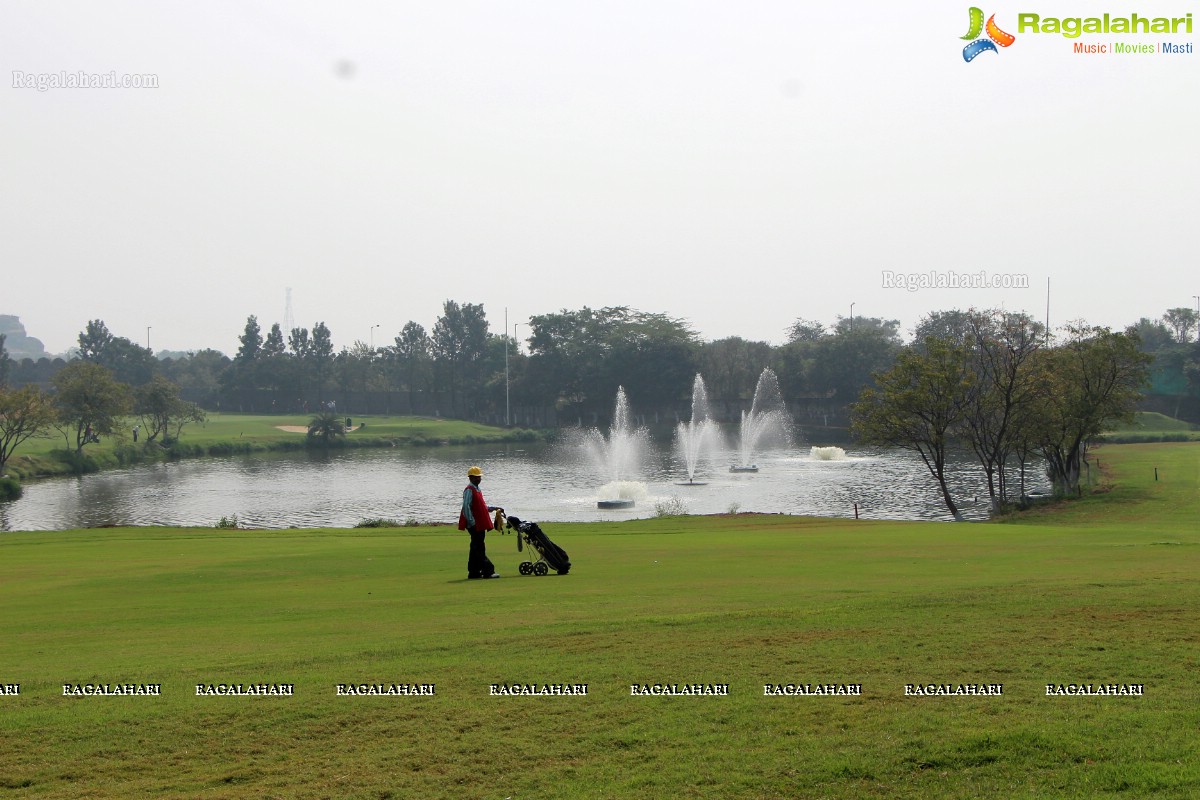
[546,555]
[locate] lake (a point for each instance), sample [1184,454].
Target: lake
[538,482]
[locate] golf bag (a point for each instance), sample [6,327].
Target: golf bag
[549,555]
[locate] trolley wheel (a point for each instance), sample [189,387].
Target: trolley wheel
[540,568]
[526,568]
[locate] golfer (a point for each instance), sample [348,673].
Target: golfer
[474,518]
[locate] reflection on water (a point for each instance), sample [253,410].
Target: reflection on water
[537,483]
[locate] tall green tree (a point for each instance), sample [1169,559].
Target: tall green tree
[916,405]
[1004,390]
[129,362]
[411,356]
[90,402]
[459,339]
[250,342]
[1090,382]
[321,356]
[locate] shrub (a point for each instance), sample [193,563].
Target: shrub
[674,507]
[10,488]
[378,522]
[227,523]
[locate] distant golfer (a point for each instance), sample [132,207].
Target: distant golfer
[474,518]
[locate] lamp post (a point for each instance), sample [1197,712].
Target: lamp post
[852,317]
[1197,296]
[148,337]
[373,327]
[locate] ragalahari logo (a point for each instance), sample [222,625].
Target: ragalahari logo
[995,36]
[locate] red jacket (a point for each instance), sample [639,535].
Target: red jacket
[479,510]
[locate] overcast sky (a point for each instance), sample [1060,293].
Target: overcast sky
[738,165]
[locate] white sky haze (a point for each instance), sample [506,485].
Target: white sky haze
[737,165]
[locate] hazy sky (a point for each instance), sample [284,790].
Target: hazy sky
[737,165]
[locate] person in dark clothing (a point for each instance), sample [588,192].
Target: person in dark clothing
[475,519]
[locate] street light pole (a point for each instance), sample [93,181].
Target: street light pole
[852,317]
[1197,296]
[148,337]
[373,327]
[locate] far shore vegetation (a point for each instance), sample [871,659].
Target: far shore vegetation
[233,434]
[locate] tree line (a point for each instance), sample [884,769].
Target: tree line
[995,384]
[571,361]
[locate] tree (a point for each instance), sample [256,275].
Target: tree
[579,358]
[355,369]
[275,367]
[129,362]
[1153,334]
[5,361]
[94,341]
[411,356]
[656,353]
[917,405]
[1181,321]
[325,427]
[805,330]
[251,342]
[731,367]
[997,416]
[200,371]
[321,357]
[955,325]
[1093,380]
[25,413]
[846,361]
[458,341]
[90,402]
[163,411]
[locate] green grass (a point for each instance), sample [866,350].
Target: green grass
[227,434]
[1150,426]
[1101,590]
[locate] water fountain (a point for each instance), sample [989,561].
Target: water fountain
[826,454]
[768,422]
[700,433]
[619,457]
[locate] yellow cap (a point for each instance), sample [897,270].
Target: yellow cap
[475,471]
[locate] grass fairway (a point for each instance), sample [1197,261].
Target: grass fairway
[1103,591]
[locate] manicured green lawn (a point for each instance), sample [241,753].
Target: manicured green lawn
[1152,426]
[226,434]
[1102,591]
[265,428]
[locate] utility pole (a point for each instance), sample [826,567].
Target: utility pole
[147,337]
[852,317]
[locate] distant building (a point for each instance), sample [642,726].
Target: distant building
[17,343]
